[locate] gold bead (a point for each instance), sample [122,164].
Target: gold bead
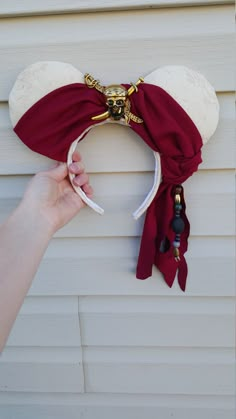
[176,252]
[177,199]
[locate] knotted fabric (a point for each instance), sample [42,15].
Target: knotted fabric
[56,120]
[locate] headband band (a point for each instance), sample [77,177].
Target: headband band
[147,201]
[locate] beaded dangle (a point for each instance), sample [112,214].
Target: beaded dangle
[177,222]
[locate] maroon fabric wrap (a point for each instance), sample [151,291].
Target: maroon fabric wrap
[56,120]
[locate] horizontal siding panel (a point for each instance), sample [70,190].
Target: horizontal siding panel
[44,355]
[96,399]
[124,184]
[41,369]
[108,266]
[209,276]
[90,406]
[146,370]
[116,412]
[202,53]
[127,247]
[60,305]
[13,8]
[174,35]
[30,377]
[124,321]
[118,221]
[47,322]
[160,379]
[131,24]
[155,305]
[156,355]
[99,149]
[45,330]
[145,321]
[128,355]
[158,329]
[143,376]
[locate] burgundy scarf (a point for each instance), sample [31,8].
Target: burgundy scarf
[55,121]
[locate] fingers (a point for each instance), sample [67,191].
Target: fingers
[81,178]
[76,168]
[76,156]
[88,190]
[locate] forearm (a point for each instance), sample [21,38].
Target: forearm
[24,238]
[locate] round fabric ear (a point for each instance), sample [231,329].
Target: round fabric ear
[36,81]
[193,93]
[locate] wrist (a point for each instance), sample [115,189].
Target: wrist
[33,221]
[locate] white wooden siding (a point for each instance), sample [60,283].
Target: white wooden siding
[97,343]
[129,43]
[45,7]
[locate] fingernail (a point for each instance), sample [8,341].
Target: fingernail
[76,168]
[73,166]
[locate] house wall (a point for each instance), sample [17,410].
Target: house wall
[91,341]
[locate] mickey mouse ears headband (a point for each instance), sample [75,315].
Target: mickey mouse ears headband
[175,111]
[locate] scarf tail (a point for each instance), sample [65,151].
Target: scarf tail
[159,238]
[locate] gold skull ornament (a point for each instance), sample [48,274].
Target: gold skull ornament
[116,96]
[117,100]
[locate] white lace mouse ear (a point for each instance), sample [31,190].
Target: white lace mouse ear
[193,93]
[36,81]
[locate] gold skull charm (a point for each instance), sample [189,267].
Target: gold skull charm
[116,96]
[116,100]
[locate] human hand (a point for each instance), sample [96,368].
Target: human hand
[50,195]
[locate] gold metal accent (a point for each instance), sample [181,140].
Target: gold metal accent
[93,83]
[176,254]
[103,115]
[177,199]
[135,118]
[115,90]
[134,87]
[116,100]
[129,115]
